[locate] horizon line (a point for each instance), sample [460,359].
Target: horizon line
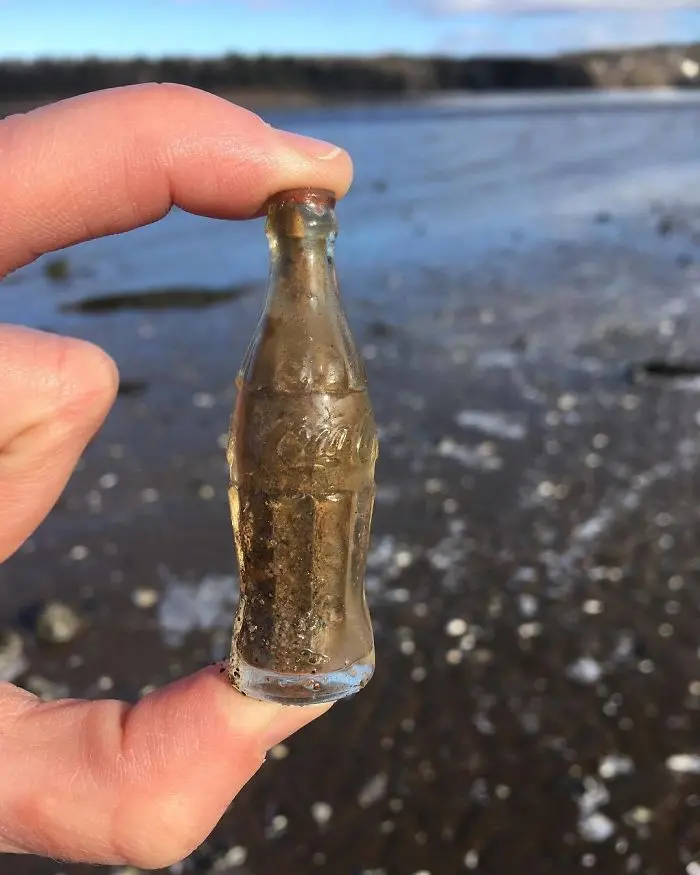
[353,56]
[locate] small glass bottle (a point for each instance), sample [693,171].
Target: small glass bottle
[301,454]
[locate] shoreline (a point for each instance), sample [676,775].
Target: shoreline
[270,101]
[284,81]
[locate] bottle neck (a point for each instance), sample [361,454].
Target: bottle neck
[303,342]
[302,268]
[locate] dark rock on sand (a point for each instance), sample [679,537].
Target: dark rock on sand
[157,299]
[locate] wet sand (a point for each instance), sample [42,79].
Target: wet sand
[534,577]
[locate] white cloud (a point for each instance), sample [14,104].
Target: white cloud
[544,6]
[545,34]
[578,32]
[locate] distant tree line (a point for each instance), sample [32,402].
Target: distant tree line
[335,77]
[316,76]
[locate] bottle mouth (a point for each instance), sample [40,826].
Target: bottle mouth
[302,212]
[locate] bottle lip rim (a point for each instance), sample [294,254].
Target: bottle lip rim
[317,196]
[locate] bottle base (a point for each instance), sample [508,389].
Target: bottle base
[301,689]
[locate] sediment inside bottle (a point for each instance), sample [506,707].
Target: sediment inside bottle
[302,512]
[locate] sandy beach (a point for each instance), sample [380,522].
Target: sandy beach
[524,281]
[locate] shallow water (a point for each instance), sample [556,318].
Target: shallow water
[510,266]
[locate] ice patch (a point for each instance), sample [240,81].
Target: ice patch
[497,358]
[613,765]
[470,457]
[497,425]
[593,826]
[684,764]
[586,535]
[202,606]
[386,561]
[596,827]
[374,790]
[13,662]
[585,670]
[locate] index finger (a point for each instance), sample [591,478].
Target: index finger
[111,161]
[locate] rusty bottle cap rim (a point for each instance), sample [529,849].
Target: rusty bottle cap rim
[320,196]
[302,212]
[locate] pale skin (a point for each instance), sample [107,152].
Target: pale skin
[108,782]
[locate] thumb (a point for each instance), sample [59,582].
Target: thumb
[54,395]
[101,782]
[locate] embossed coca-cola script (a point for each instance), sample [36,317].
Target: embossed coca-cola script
[313,443]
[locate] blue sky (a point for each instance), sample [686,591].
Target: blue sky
[30,28]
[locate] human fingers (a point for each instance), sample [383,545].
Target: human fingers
[110,161]
[54,394]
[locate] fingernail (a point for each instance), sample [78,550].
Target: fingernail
[252,715]
[310,146]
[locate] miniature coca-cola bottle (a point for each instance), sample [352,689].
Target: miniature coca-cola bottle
[302,451]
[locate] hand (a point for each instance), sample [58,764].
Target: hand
[105,782]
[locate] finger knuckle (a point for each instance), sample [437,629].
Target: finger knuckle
[84,377]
